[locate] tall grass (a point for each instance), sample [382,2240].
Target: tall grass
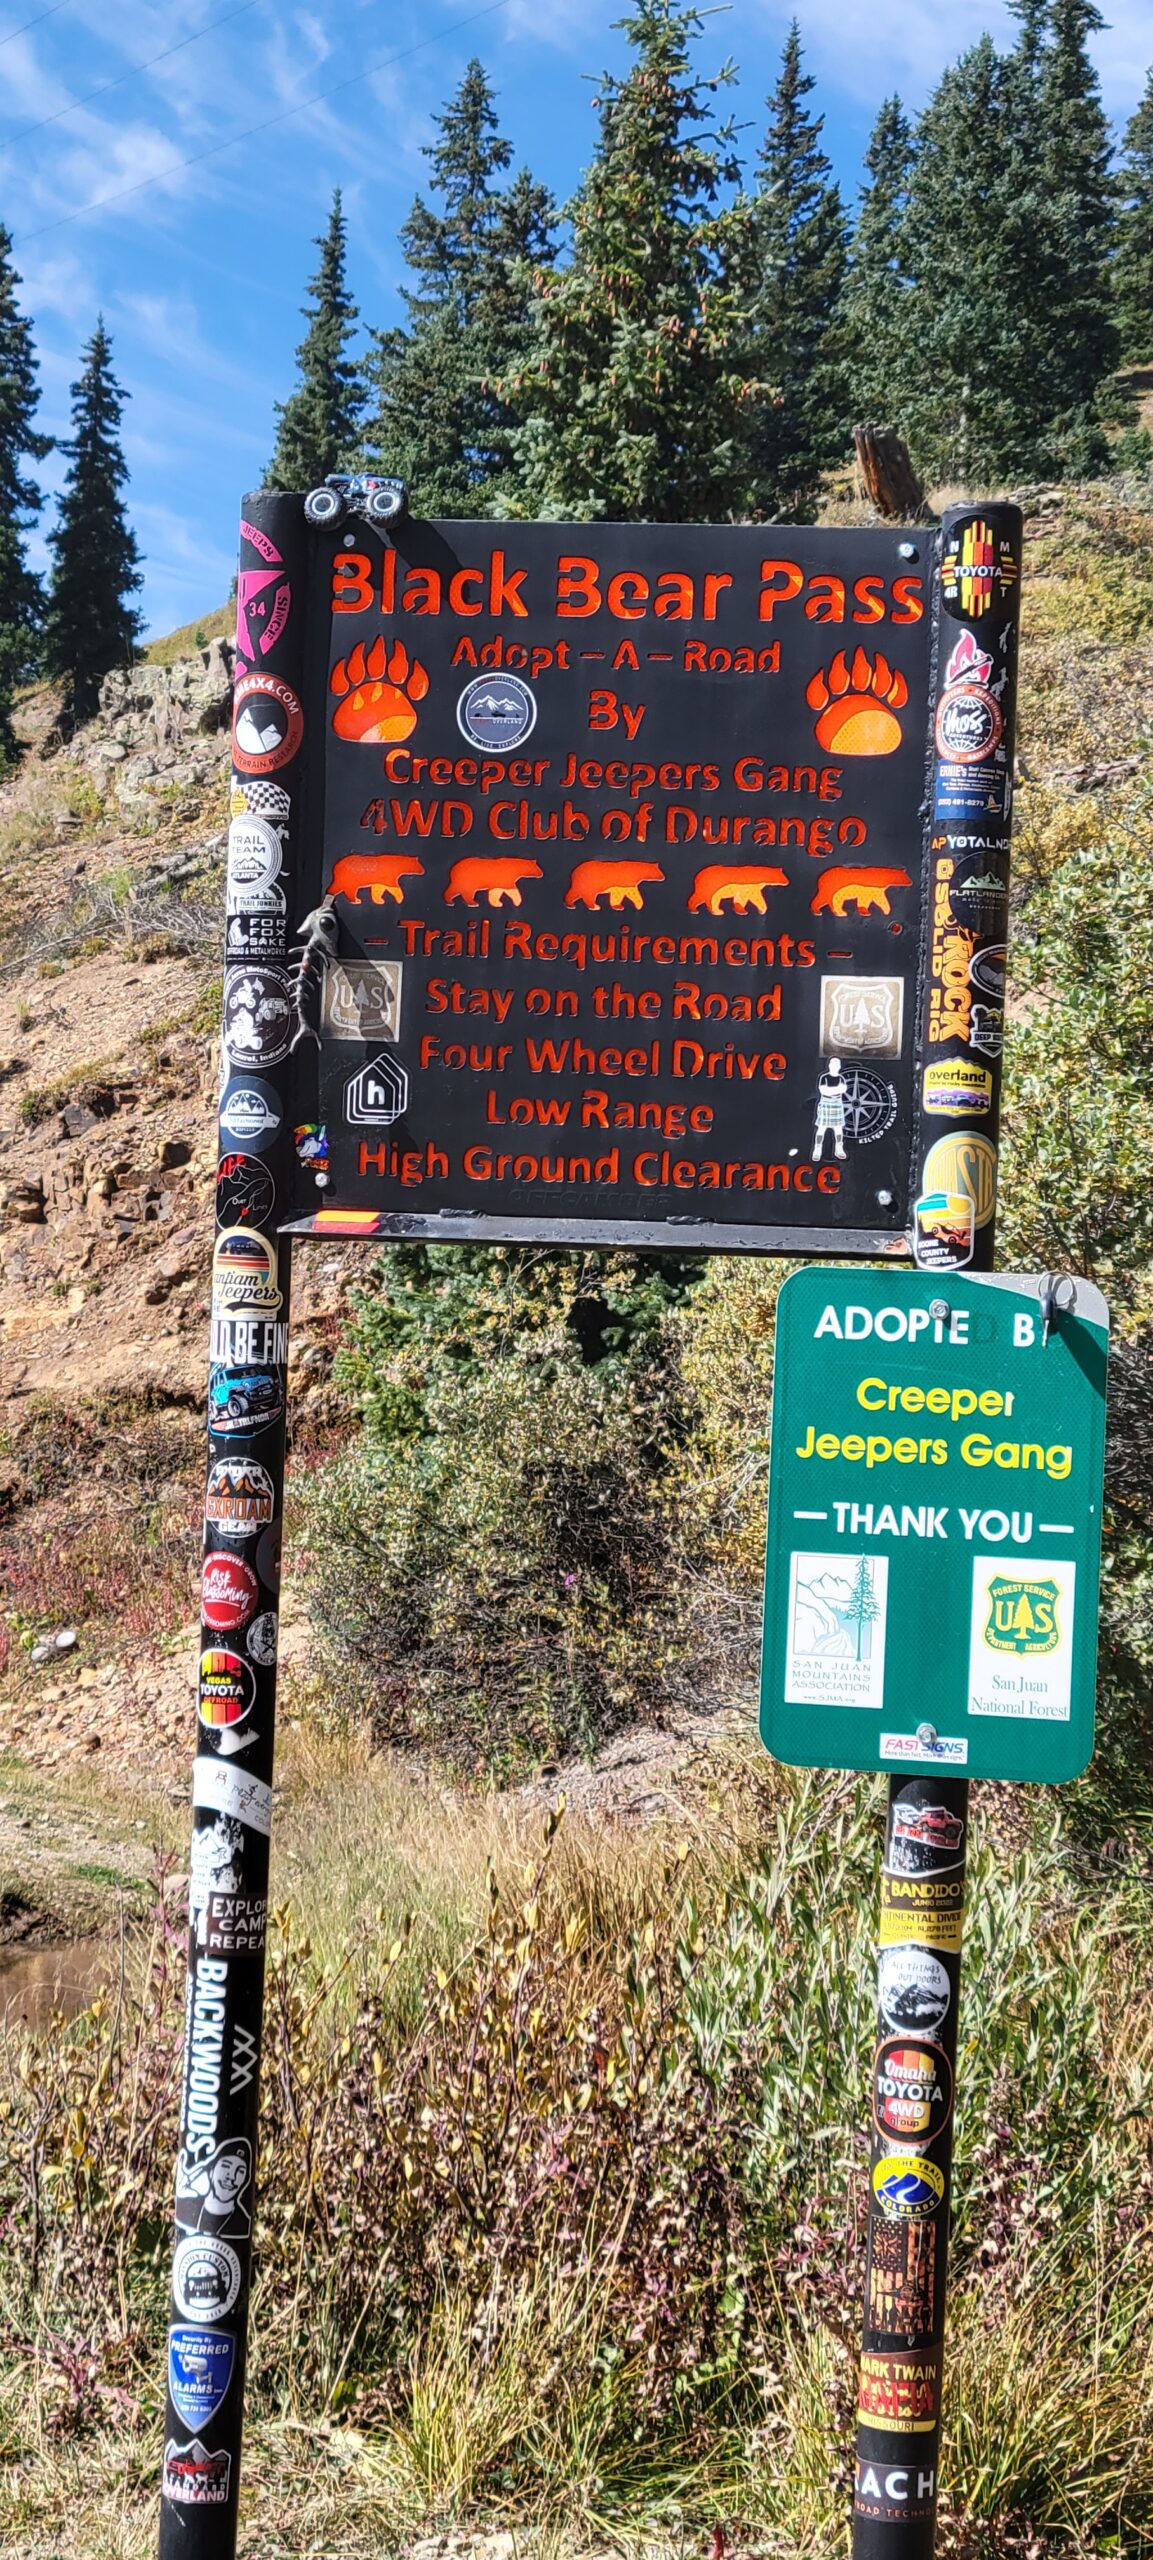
[562,2197]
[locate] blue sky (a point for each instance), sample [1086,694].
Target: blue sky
[201,254]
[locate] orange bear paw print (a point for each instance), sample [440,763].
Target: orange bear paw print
[378,690]
[858,705]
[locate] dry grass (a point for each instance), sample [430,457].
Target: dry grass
[171,645]
[528,2402]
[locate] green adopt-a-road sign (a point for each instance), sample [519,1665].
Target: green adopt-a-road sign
[934,1539]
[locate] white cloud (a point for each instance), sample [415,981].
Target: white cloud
[563,23]
[906,44]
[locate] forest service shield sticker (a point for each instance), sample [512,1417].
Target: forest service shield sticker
[1021,1638]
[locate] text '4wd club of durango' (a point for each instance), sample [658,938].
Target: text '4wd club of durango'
[620,838]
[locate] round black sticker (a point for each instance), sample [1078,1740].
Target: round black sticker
[245,1192]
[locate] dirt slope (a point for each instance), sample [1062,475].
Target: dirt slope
[111,897]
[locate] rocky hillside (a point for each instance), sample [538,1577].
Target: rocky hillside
[112,856]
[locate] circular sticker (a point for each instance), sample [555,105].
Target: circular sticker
[870,1104]
[255,854]
[968,724]
[965,1163]
[229,1592]
[245,1192]
[908,2190]
[268,1557]
[912,2090]
[913,1989]
[267,724]
[257,898]
[205,2278]
[239,1496]
[496,711]
[259,800]
[258,1016]
[261,1639]
[251,1114]
[987,970]
[227,1688]
[244,1273]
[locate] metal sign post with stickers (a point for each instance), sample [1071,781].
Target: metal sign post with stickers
[931,1586]
[597,884]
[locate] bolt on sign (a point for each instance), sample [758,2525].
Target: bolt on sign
[935,1494]
[629,888]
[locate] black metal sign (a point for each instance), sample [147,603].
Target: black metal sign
[649,884]
[622,834]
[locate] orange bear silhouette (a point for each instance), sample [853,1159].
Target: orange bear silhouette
[864,889]
[491,876]
[619,882]
[740,882]
[379,873]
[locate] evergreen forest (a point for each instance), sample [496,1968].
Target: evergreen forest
[693,336]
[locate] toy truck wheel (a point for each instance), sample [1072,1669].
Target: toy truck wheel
[323,506]
[383,506]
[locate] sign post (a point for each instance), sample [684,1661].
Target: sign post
[243,1507]
[938,1453]
[648,886]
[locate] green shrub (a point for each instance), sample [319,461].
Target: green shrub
[495,1555]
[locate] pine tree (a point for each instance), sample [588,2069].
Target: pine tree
[863,1606]
[90,624]
[876,303]
[438,418]
[639,398]
[1133,270]
[19,497]
[802,247]
[960,390]
[320,423]
[1080,329]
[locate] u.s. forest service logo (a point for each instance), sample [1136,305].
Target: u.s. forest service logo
[1022,1615]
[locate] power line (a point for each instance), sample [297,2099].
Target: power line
[53,12]
[212,149]
[133,72]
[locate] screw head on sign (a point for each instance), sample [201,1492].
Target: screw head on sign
[939,1311]
[884,1199]
[907,551]
[926,1734]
